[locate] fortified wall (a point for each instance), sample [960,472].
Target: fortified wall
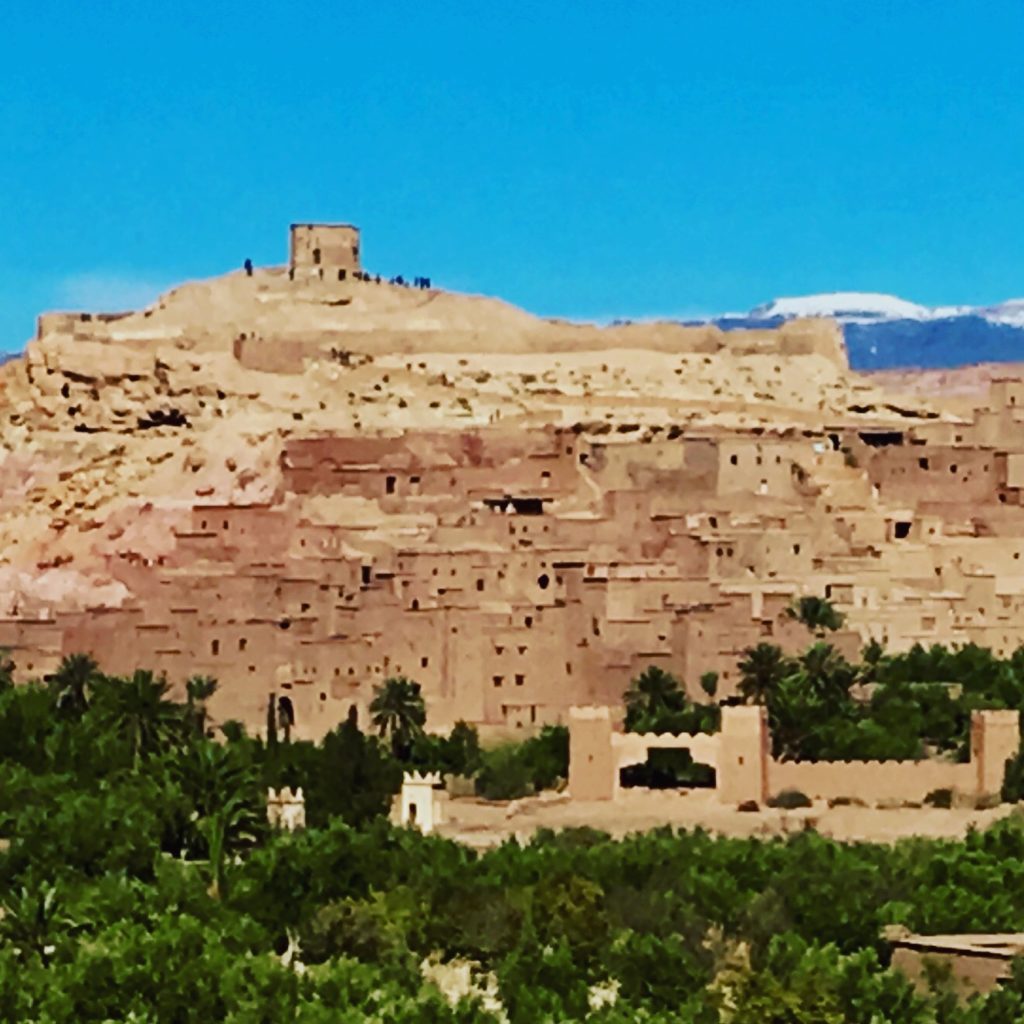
[739,753]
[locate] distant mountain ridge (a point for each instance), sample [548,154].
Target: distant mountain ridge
[886,332]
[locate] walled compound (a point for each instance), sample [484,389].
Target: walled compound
[305,479]
[745,771]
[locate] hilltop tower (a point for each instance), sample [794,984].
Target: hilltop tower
[324,250]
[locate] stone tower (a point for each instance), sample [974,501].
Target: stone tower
[326,251]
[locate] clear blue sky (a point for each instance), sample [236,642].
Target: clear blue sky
[581,159]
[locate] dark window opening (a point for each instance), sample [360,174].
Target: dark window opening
[901,530]
[881,438]
[215,647]
[389,485]
[543,581]
[316,255]
[285,711]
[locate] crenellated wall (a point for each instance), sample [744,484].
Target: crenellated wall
[739,754]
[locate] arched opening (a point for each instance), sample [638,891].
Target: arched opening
[285,715]
[668,768]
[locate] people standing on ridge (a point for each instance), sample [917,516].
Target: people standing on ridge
[248,268]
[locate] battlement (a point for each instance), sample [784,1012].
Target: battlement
[324,250]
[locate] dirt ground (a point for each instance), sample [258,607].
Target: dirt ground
[481,824]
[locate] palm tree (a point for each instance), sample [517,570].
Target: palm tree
[762,669]
[398,710]
[138,710]
[827,673]
[74,683]
[223,789]
[652,692]
[873,660]
[816,613]
[198,690]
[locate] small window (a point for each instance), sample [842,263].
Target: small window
[424,662]
[528,621]
[923,463]
[734,459]
[215,647]
[543,581]
[497,680]
[242,643]
[389,485]
[520,679]
[479,584]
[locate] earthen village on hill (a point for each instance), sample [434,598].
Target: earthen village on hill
[303,480]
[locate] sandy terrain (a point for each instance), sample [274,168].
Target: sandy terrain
[481,824]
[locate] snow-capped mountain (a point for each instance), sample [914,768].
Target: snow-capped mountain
[849,307]
[885,331]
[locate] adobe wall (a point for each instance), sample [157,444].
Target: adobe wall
[870,781]
[745,771]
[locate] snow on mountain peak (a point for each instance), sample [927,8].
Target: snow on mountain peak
[849,307]
[875,307]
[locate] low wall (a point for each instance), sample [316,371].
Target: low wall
[279,356]
[870,781]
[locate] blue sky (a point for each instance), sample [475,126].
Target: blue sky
[579,159]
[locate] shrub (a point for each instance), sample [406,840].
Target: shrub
[1013,778]
[789,800]
[514,770]
[940,798]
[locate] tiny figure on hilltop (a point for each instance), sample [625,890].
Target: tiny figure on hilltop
[248,268]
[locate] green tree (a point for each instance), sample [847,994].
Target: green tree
[652,692]
[398,712]
[139,711]
[816,613]
[762,669]
[222,788]
[73,683]
[709,683]
[198,690]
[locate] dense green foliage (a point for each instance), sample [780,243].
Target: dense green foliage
[138,881]
[898,706]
